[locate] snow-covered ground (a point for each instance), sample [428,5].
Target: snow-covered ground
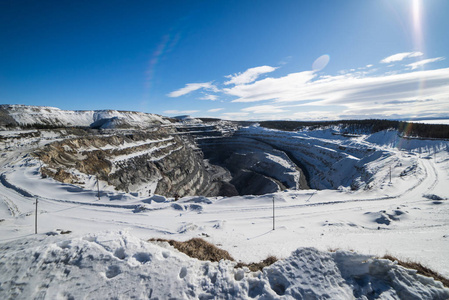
[106,255]
[28,115]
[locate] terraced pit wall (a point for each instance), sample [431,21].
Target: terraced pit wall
[140,162]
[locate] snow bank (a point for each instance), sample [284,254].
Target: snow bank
[108,265]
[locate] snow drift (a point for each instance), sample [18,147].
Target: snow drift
[117,264]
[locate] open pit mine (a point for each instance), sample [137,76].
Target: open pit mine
[147,154]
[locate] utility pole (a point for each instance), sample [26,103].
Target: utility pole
[273,213]
[98,189]
[35,219]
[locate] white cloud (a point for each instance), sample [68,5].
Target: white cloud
[358,96]
[272,88]
[297,87]
[210,97]
[264,109]
[236,114]
[400,56]
[190,87]
[215,109]
[423,62]
[249,75]
[180,112]
[315,115]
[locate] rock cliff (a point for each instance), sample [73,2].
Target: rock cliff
[144,162]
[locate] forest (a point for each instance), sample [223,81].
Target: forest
[406,129]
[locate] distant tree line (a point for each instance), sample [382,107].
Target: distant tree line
[406,129]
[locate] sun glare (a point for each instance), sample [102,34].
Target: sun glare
[417,24]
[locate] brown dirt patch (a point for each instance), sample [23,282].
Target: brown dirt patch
[203,250]
[423,270]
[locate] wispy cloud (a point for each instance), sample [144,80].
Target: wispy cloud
[400,56]
[264,109]
[315,115]
[209,97]
[180,112]
[190,87]
[407,101]
[235,114]
[423,62]
[215,109]
[348,88]
[395,95]
[249,75]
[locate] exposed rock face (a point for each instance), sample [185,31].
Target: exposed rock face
[5,118]
[328,165]
[142,162]
[257,168]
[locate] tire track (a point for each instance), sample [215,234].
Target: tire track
[12,207]
[435,173]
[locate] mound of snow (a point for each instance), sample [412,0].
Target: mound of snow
[105,265]
[384,217]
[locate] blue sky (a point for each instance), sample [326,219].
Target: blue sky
[302,60]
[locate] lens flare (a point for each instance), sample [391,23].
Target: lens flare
[418,41]
[320,63]
[417,25]
[405,134]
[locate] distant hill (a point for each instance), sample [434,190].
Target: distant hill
[51,117]
[42,117]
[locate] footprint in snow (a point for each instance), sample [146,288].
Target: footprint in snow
[183,272]
[113,271]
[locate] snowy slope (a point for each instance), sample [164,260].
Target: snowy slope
[29,115]
[408,218]
[333,160]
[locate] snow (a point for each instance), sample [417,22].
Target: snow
[140,153]
[102,266]
[28,115]
[106,253]
[126,145]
